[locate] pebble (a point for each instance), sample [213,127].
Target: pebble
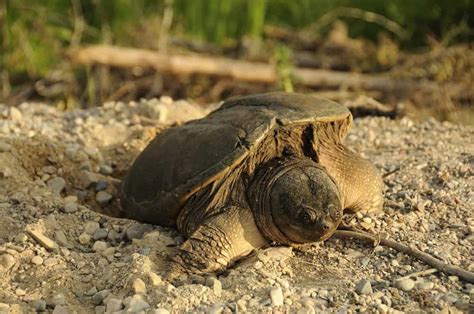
[103,198]
[58,299]
[61,239]
[100,234]
[276,295]
[424,285]
[100,185]
[139,286]
[7,261]
[59,309]
[20,292]
[137,304]
[88,178]
[37,260]
[100,296]
[364,287]
[100,246]
[39,305]
[382,308]
[154,279]
[70,207]
[160,311]
[215,284]
[106,169]
[84,238]
[113,305]
[15,114]
[100,309]
[57,185]
[137,231]
[90,227]
[405,284]
[5,147]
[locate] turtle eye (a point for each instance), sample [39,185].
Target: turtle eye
[306,215]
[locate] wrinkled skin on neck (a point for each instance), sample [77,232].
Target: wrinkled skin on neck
[295,201]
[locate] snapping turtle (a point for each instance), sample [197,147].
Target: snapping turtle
[259,169]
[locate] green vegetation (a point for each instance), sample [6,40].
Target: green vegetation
[34,34]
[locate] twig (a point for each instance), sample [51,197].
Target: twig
[422,256]
[419,274]
[390,172]
[238,69]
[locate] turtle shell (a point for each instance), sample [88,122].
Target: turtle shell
[182,160]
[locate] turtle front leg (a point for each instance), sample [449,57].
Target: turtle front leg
[218,242]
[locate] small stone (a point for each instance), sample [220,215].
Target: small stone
[100,296]
[106,170]
[7,261]
[59,309]
[91,226]
[91,292]
[61,239]
[405,284]
[424,285]
[215,284]
[137,231]
[58,299]
[276,295]
[154,279]
[37,260]
[39,305]
[84,238]
[70,207]
[15,114]
[139,286]
[99,309]
[49,169]
[87,178]
[5,147]
[137,304]
[364,287]
[100,234]
[100,246]
[56,185]
[100,185]
[20,292]
[113,236]
[103,198]
[382,308]
[113,305]
[258,265]
[160,311]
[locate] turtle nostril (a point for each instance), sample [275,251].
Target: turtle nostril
[325,227]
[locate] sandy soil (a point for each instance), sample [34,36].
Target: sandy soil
[60,253]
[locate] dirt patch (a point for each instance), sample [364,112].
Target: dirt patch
[59,172]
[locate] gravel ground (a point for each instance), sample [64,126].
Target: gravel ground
[60,253]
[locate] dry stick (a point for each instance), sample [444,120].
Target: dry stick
[427,258]
[237,69]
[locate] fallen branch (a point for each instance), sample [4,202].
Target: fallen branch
[236,69]
[422,256]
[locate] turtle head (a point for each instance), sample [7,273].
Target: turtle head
[296,201]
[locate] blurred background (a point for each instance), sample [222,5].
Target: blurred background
[389,58]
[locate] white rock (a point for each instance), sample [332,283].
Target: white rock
[405,284]
[100,246]
[364,287]
[276,295]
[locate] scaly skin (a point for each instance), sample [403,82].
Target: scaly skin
[218,242]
